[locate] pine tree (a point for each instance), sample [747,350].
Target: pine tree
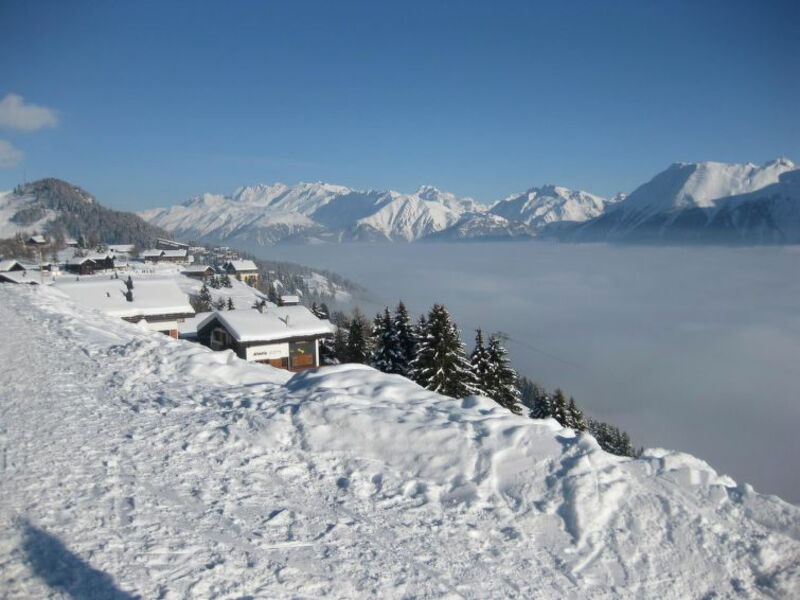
[230,303]
[357,346]
[406,338]
[324,313]
[534,397]
[219,304]
[385,354]
[479,362]
[576,416]
[272,294]
[502,378]
[314,309]
[441,364]
[340,345]
[201,302]
[226,281]
[560,412]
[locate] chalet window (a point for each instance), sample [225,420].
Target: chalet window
[219,339]
[301,354]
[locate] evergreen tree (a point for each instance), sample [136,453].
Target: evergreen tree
[324,313]
[214,282]
[502,378]
[201,302]
[272,295]
[357,345]
[406,338]
[535,398]
[219,304]
[230,303]
[479,362]
[560,411]
[576,416]
[386,355]
[226,281]
[340,345]
[314,309]
[441,364]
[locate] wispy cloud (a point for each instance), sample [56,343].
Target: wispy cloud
[10,156]
[15,113]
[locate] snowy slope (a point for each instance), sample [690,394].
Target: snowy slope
[680,203]
[13,205]
[137,465]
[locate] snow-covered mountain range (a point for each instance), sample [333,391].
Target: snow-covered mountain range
[275,213]
[704,201]
[137,466]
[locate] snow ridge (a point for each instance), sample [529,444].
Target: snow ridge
[197,474]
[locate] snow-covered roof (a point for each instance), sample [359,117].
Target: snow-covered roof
[37,239]
[7,265]
[79,260]
[151,253]
[279,323]
[99,256]
[122,248]
[19,277]
[174,253]
[188,328]
[289,299]
[243,265]
[150,296]
[196,269]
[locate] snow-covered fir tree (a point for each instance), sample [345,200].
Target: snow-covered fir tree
[479,361]
[578,421]
[230,303]
[203,301]
[339,345]
[357,342]
[386,355]
[560,410]
[406,337]
[441,364]
[502,381]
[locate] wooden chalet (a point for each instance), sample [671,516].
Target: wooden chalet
[286,337]
[159,304]
[201,272]
[81,266]
[157,255]
[245,271]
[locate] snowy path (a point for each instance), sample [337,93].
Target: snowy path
[138,466]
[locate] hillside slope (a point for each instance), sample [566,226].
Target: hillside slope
[136,465]
[58,207]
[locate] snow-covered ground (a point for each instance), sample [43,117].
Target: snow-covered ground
[137,465]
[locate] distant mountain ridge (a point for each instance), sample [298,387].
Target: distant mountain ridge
[265,214]
[702,202]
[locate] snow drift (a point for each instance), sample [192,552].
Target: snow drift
[134,464]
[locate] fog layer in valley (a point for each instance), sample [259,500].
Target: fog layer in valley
[696,349]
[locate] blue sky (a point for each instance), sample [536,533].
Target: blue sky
[156,102]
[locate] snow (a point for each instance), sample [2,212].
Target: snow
[539,206]
[275,323]
[137,465]
[7,265]
[150,296]
[240,266]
